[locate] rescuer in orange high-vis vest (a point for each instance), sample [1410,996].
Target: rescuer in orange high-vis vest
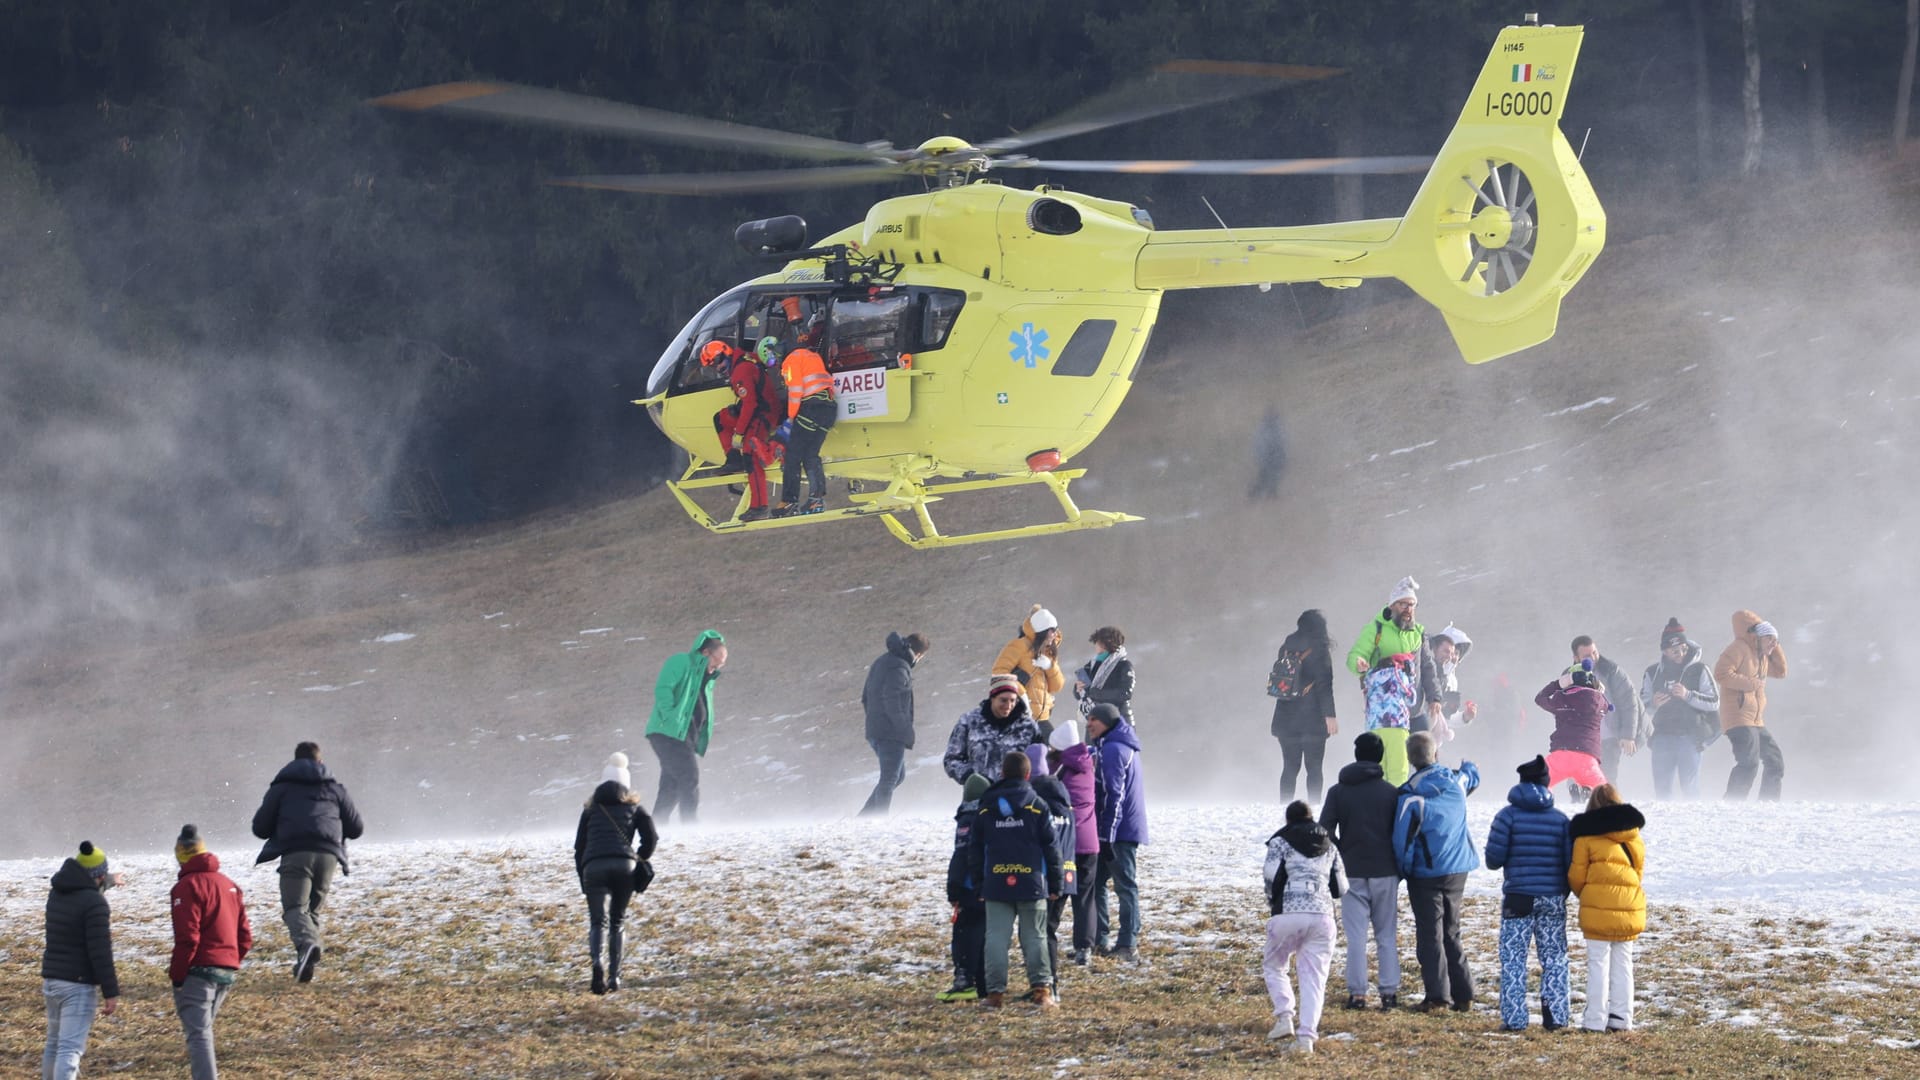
[810,412]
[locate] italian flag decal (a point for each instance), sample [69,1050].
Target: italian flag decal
[1523,73]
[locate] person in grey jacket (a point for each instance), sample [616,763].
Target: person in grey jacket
[1304,878]
[983,735]
[888,701]
[1359,814]
[78,962]
[306,818]
[603,855]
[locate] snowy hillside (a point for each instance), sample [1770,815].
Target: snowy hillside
[1793,922]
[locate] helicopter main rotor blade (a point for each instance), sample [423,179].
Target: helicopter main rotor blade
[505,101]
[1334,166]
[736,183]
[1173,86]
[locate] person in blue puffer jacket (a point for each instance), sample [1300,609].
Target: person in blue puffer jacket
[1435,852]
[1532,841]
[1120,811]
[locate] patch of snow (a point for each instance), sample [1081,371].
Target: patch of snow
[493,616]
[389,639]
[1411,449]
[597,630]
[1582,407]
[321,689]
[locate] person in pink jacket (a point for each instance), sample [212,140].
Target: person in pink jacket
[1073,764]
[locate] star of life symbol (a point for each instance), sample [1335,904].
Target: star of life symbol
[1029,345]
[1000,398]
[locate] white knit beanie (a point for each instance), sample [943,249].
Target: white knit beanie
[1404,591]
[1042,620]
[1065,734]
[616,770]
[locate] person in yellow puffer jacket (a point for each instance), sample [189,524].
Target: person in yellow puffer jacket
[1742,673]
[1609,862]
[1034,658]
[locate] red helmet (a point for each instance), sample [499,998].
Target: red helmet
[712,351]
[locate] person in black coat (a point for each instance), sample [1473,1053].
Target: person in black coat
[1053,794]
[78,962]
[888,700]
[1303,715]
[1359,815]
[306,818]
[604,857]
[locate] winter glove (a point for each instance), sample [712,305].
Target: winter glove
[1043,662]
[736,442]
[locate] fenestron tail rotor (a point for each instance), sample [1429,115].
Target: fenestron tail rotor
[1501,230]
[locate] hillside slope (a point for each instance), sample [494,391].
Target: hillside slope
[1723,421]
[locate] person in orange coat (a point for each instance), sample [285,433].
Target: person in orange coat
[1742,673]
[811,412]
[1609,862]
[1033,657]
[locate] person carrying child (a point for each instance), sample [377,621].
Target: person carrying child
[1016,859]
[1530,841]
[1304,878]
[1579,709]
[1608,866]
[963,893]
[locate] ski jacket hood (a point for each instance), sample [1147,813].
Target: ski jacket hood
[1306,837]
[1303,872]
[1430,836]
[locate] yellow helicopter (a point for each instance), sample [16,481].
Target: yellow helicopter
[980,336]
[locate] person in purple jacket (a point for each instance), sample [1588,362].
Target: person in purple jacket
[1120,813]
[1073,763]
[1579,709]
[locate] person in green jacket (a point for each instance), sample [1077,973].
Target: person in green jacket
[682,722]
[1391,633]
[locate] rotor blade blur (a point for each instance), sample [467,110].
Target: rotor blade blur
[1173,86]
[525,104]
[1336,166]
[738,183]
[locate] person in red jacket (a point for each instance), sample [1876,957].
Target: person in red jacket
[211,937]
[744,426]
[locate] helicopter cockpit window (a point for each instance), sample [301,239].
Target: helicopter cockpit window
[1085,349]
[869,332]
[679,368]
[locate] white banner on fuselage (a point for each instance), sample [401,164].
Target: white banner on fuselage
[862,393]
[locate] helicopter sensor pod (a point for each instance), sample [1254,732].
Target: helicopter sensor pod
[773,236]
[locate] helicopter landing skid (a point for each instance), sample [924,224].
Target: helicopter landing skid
[910,494]
[905,494]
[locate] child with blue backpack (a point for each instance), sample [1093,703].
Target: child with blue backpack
[1531,840]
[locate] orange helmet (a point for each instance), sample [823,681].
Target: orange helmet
[712,351]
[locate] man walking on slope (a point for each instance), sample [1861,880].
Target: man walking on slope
[306,819]
[682,723]
[1392,633]
[888,701]
[1742,673]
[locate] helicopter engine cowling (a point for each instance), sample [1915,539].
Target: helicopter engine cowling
[773,236]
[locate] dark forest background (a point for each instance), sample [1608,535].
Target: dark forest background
[247,322]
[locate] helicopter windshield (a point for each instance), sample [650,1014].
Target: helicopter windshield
[719,319]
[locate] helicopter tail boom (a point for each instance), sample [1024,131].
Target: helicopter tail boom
[1503,225]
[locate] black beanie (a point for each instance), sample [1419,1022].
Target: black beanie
[1534,772]
[1368,747]
[1674,632]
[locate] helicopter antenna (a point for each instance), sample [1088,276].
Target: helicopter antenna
[1581,154]
[1216,216]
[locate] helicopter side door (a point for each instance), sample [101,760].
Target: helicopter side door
[1053,368]
[868,339]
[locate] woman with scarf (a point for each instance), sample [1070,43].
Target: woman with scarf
[1107,679]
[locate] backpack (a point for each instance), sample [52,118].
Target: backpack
[1285,681]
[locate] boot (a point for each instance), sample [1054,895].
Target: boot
[599,978]
[996,1000]
[1043,997]
[614,941]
